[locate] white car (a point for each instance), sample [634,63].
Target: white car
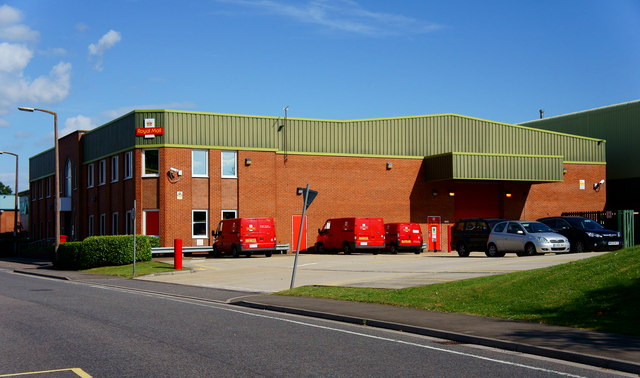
[525,238]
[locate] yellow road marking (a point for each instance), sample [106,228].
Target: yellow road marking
[79,372]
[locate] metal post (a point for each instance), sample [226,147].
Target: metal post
[133,216]
[295,260]
[177,254]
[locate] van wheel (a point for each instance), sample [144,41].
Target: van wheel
[267,254]
[394,249]
[462,250]
[215,252]
[346,248]
[530,250]
[319,248]
[235,252]
[417,251]
[492,251]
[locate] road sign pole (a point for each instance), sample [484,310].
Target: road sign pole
[295,260]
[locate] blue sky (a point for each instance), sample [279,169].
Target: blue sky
[92,61]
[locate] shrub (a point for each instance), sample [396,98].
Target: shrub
[97,251]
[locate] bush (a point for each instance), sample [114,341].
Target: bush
[96,251]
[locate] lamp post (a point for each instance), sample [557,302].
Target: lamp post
[15,205]
[56,173]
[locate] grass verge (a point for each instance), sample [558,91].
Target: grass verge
[600,293]
[142,268]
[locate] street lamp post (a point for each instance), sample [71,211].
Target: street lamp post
[15,205]
[56,174]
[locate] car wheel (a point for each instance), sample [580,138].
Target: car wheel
[319,248]
[578,247]
[346,248]
[462,250]
[530,250]
[215,252]
[235,252]
[267,254]
[394,249]
[492,251]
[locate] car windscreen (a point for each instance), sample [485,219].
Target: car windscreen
[586,224]
[535,227]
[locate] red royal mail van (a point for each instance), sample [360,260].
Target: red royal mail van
[403,237]
[244,236]
[351,234]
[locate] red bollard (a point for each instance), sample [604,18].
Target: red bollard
[177,254]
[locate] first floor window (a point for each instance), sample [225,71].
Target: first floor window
[199,221]
[150,163]
[90,177]
[103,225]
[128,164]
[128,223]
[114,168]
[229,164]
[90,226]
[199,163]
[102,172]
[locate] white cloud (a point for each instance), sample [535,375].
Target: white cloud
[78,122]
[342,15]
[14,57]
[11,30]
[107,41]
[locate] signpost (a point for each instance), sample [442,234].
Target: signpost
[308,195]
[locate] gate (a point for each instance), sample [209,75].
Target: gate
[620,220]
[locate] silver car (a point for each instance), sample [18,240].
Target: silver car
[525,238]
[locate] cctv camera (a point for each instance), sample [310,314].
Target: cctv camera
[178,171]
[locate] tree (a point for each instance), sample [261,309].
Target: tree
[5,189]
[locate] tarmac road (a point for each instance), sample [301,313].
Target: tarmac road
[261,274]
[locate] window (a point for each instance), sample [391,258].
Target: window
[229,164]
[114,223]
[90,175]
[102,225]
[114,168]
[90,228]
[199,163]
[40,191]
[128,165]
[102,172]
[128,223]
[150,163]
[48,187]
[199,221]
[67,178]
[229,214]
[33,192]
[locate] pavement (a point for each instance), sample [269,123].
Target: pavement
[600,349]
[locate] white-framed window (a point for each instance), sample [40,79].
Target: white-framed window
[103,224]
[115,223]
[199,221]
[128,165]
[200,163]
[229,214]
[48,187]
[102,172]
[68,179]
[90,175]
[90,226]
[150,163]
[229,162]
[114,168]
[128,223]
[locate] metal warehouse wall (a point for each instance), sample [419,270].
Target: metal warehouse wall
[618,124]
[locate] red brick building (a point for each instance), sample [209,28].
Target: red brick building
[201,167]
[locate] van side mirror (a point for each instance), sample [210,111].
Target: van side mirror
[214,233]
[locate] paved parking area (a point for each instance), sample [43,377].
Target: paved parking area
[260,274]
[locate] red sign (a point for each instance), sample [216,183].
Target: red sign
[149,131]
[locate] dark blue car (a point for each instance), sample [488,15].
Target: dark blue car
[584,234]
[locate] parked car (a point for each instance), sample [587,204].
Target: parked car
[350,235]
[244,236]
[585,234]
[525,238]
[472,234]
[403,237]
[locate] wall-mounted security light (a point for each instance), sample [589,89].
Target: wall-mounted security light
[564,171]
[452,193]
[434,192]
[507,194]
[389,165]
[247,162]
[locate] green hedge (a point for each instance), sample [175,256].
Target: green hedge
[97,251]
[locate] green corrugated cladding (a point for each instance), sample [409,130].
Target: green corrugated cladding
[618,124]
[469,166]
[410,137]
[42,165]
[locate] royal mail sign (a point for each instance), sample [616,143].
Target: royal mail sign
[149,130]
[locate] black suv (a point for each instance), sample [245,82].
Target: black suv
[584,234]
[471,234]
